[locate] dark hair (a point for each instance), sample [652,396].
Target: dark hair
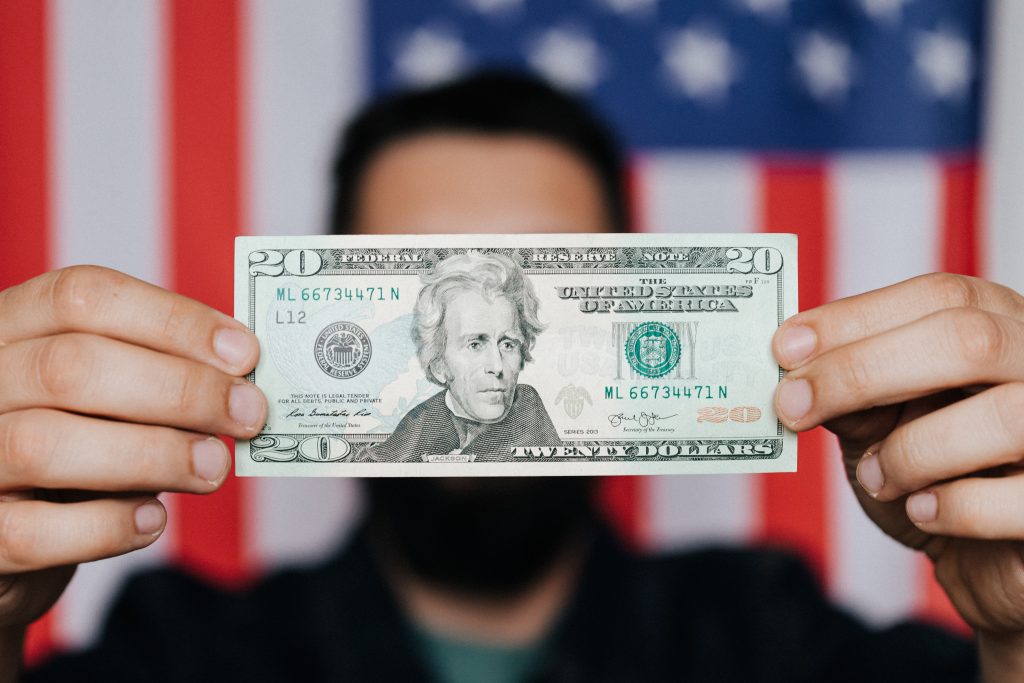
[489,102]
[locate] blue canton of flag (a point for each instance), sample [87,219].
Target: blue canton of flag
[769,75]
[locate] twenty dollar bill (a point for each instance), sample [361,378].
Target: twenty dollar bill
[468,355]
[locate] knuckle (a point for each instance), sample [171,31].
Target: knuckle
[177,323]
[1007,410]
[26,447]
[184,390]
[17,538]
[61,366]
[1007,298]
[77,292]
[906,461]
[977,337]
[1014,297]
[163,457]
[857,375]
[955,291]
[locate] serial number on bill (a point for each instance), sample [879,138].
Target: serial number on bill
[666,391]
[338,294]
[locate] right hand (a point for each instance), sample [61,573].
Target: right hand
[108,387]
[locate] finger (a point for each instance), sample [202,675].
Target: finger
[977,433]
[108,303]
[55,450]
[100,376]
[941,351]
[811,333]
[974,507]
[862,431]
[35,534]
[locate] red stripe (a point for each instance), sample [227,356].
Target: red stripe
[635,184]
[41,641]
[934,605]
[24,146]
[205,214]
[623,502]
[25,184]
[960,245]
[960,236]
[794,507]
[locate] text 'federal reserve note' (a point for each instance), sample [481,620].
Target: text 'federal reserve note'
[499,355]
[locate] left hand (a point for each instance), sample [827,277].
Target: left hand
[923,383]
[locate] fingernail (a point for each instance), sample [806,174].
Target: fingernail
[923,507]
[795,398]
[233,346]
[149,518]
[210,459]
[796,344]
[869,474]
[246,405]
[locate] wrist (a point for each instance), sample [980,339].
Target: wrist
[12,642]
[1001,657]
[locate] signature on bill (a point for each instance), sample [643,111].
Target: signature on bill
[642,419]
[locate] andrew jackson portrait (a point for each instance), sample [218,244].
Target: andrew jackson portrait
[475,324]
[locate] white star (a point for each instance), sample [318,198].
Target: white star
[567,57]
[888,11]
[772,9]
[701,63]
[430,55]
[825,66]
[944,62]
[631,7]
[494,6]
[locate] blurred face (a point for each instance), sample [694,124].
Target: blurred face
[483,355]
[488,536]
[455,183]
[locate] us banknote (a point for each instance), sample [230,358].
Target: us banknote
[516,354]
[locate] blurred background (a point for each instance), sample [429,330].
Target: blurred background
[145,134]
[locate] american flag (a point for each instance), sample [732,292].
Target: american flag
[145,134]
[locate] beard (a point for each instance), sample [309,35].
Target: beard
[491,538]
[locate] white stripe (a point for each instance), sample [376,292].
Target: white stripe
[1004,144]
[684,192]
[299,520]
[107,118]
[886,211]
[306,75]
[700,509]
[885,214]
[107,201]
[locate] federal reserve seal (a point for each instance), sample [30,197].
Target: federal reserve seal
[342,350]
[652,349]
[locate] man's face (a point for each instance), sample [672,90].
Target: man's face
[483,354]
[491,536]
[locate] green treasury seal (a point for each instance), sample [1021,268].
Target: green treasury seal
[652,349]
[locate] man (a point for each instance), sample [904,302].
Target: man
[502,580]
[475,323]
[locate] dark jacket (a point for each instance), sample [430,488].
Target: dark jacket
[712,616]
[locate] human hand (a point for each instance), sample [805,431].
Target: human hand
[111,391]
[923,383]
